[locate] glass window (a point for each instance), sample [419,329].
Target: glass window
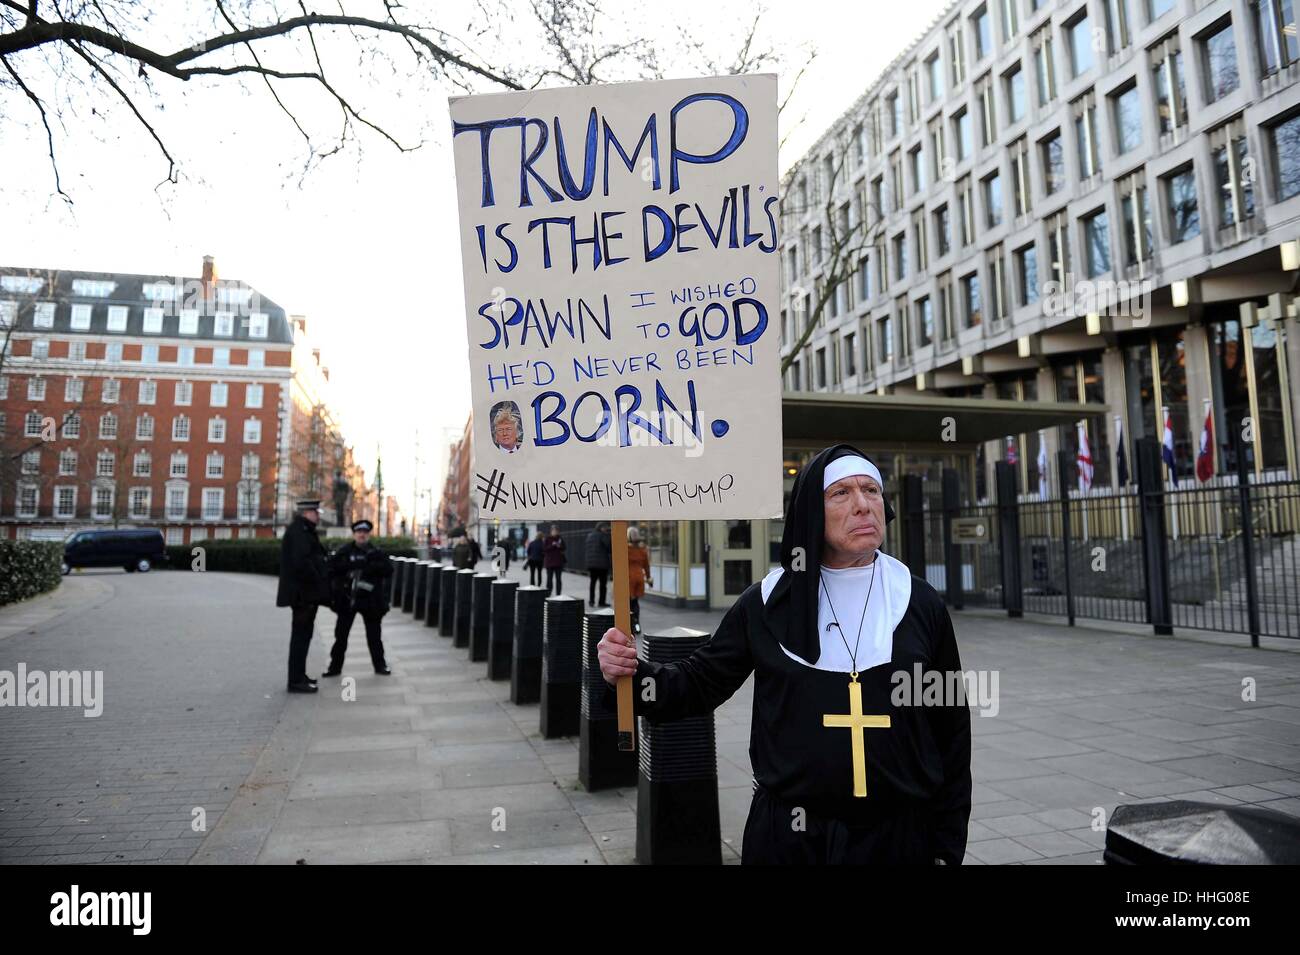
[992,200]
[983,33]
[1275,26]
[1044,66]
[1181,205]
[1171,90]
[1015,82]
[1096,235]
[970,287]
[1220,50]
[1286,157]
[1053,153]
[925,320]
[1085,132]
[1128,120]
[1027,273]
[1080,34]
[961,122]
[934,77]
[1137,219]
[1117,33]
[1236,190]
[1158,8]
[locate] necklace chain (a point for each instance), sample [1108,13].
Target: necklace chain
[853,652]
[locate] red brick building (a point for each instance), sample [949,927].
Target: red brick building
[141,400]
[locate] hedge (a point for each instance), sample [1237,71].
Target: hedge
[261,555]
[29,568]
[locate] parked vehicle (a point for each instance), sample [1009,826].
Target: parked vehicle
[134,550]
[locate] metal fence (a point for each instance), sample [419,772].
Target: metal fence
[1222,556]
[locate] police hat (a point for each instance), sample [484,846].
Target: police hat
[308,505]
[362,526]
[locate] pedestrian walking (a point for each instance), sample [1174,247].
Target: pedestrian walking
[554,559]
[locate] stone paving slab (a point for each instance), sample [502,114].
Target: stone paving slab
[435,765]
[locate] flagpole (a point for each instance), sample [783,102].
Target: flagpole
[1218,511]
[1171,479]
[1120,456]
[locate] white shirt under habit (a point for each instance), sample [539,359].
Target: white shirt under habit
[848,589]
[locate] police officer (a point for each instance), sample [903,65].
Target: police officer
[304,586]
[359,572]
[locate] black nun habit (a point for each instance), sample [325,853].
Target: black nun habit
[846,770]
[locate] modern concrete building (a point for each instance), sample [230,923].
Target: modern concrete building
[1037,206]
[1083,200]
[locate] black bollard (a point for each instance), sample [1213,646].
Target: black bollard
[503,628]
[561,666]
[464,603]
[421,575]
[433,593]
[677,780]
[399,566]
[408,584]
[447,601]
[601,764]
[526,655]
[480,619]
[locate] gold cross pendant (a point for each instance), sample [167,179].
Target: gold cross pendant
[855,721]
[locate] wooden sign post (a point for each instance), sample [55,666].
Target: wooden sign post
[623,621]
[621,262]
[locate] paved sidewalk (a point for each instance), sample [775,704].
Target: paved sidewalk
[434,765]
[193,669]
[420,766]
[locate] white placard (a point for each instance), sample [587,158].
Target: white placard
[620,253]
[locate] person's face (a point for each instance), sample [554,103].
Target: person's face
[506,433]
[312,515]
[555,531]
[361,537]
[854,517]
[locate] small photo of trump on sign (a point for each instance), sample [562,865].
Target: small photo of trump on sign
[507,426]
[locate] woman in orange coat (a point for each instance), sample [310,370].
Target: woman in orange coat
[638,573]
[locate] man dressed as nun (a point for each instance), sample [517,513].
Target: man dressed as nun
[851,765]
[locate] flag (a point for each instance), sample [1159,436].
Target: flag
[1084,459]
[1205,457]
[1121,456]
[1042,466]
[1011,450]
[1167,448]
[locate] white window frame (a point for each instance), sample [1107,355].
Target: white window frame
[71,510]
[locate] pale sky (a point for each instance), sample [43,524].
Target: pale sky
[366,245]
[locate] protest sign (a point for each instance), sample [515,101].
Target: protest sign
[619,247]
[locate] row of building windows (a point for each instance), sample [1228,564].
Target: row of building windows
[1232,189]
[889,117]
[185,354]
[35,425]
[74,389]
[223,326]
[139,502]
[250,465]
[1231,185]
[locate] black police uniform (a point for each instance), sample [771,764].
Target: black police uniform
[359,577]
[304,586]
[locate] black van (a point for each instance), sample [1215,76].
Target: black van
[131,549]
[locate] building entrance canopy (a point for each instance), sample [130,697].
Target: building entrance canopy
[903,421]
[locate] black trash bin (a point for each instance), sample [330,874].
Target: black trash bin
[1180,832]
